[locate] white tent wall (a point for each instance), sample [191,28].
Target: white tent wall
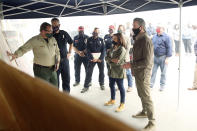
[3,45]
[10,41]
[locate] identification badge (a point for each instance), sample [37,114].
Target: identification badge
[85,41]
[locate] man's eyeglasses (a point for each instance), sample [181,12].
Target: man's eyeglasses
[48,30]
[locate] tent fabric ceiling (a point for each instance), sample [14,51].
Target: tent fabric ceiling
[25,9]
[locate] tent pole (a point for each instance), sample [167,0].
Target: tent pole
[180,43]
[1,10]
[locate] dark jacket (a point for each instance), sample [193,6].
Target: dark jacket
[142,52]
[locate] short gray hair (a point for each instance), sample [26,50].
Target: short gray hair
[141,22]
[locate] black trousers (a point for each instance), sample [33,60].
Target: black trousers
[78,62]
[90,68]
[64,70]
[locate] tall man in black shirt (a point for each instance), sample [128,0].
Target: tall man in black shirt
[62,38]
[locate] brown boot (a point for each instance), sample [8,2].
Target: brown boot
[149,127]
[140,115]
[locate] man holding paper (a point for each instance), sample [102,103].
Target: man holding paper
[95,55]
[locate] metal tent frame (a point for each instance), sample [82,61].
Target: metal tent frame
[108,7]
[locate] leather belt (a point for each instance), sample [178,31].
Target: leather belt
[49,67]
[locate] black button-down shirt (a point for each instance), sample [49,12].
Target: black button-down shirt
[80,42]
[95,46]
[108,41]
[62,39]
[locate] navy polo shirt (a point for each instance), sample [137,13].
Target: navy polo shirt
[80,42]
[108,41]
[95,46]
[62,39]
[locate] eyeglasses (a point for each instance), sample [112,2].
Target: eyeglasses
[48,30]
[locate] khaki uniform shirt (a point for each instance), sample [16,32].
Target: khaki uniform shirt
[142,52]
[115,70]
[44,53]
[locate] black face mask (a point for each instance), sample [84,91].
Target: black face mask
[55,29]
[95,34]
[81,33]
[111,31]
[136,31]
[114,43]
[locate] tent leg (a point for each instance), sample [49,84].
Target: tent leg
[180,43]
[1,9]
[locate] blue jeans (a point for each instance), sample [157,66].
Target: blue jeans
[159,62]
[129,77]
[187,44]
[120,84]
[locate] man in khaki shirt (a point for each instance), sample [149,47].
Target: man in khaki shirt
[46,54]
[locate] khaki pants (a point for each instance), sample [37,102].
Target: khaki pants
[195,77]
[142,79]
